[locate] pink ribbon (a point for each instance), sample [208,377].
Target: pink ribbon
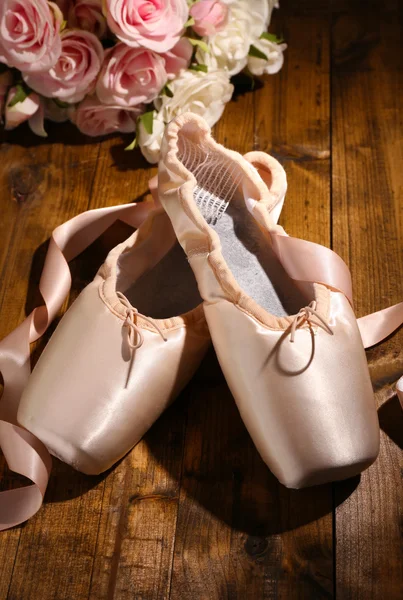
[307,261]
[24,453]
[377,326]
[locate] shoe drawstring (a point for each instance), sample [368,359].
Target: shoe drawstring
[136,338]
[305,315]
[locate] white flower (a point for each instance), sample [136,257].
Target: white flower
[275,57]
[228,49]
[150,143]
[205,94]
[22,110]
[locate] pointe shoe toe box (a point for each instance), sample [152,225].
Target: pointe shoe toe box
[89,399]
[308,405]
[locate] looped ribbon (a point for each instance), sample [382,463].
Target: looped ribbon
[130,323]
[305,316]
[24,453]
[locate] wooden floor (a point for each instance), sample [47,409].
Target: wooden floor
[193,513]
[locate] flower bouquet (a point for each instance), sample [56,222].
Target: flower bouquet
[128,65]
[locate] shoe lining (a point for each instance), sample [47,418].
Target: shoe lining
[167,290]
[218,179]
[219,197]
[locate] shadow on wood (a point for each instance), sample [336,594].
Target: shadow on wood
[127,160]
[226,475]
[58,133]
[391,420]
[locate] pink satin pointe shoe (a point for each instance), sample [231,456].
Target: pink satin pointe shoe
[278,310]
[123,351]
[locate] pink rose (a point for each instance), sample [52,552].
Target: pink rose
[29,34]
[178,58]
[94,118]
[154,24]
[210,16]
[75,72]
[87,15]
[130,76]
[21,111]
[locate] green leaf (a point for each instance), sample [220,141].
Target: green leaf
[271,37]
[166,91]
[60,103]
[253,51]
[190,22]
[63,25]
[199,43]
[20,95]
[133,145]
[147,119]
[196,67]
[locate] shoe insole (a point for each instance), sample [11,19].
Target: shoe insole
[169,288]
[253,264]
[245,247]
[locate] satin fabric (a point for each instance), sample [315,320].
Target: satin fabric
[24,453]
[108,371]
[306,261]
[308,405]
[90,399]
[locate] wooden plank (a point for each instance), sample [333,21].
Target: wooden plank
[202,565]
[293,118]
[240,533]
[292,123]
[140,497]
[368,233]
[115,178]
[56,546]
[135,540]
[11,207]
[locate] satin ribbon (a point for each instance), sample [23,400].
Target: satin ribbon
[307,261]
[23,452]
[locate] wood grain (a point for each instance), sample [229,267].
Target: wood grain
[192,512]
[367,157]
[202,566]
[293,124]
[140,498]
[37,191]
